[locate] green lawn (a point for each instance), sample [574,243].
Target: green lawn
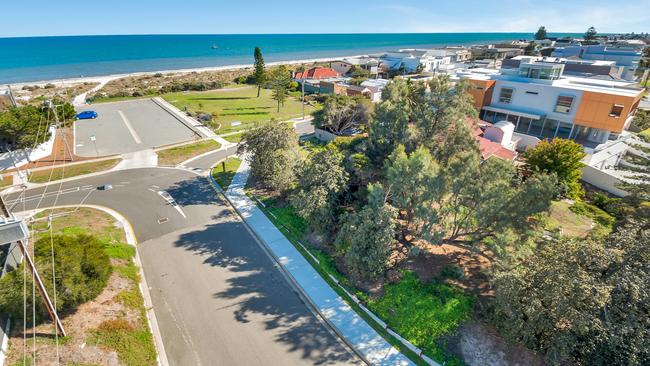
[222,177]
[238,103]
[236,138]
[423,313]
[179,154]
[578,219]
[43,176]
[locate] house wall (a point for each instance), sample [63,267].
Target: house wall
[541,103]
[595,107]
[602,180]
[482,92]
[341,67]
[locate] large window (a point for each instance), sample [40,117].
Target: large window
[617,110]
[563,104]
[549,128]
[564,130]
[506,95]
[536,127]
[524,124]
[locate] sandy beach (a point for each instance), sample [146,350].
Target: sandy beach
[103,80]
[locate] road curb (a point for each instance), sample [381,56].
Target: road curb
[131,239]
[285,273]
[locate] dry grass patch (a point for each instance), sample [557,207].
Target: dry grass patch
[68,171]
[176,155]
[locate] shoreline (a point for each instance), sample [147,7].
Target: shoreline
[103,79]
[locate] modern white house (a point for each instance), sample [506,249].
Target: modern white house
[542,102]
[412,60]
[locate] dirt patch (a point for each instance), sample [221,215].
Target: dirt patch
[73,349]
[479,344]
[458,266]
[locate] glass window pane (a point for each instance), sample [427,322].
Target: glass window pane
[512,119]
[524,123]
[564,130]
[563,104]
[549,128]
[506,95]
[536,127]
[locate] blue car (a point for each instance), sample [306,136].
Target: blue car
[87,115]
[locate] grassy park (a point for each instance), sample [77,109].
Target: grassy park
[237,104]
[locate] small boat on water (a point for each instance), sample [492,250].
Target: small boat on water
[215,46]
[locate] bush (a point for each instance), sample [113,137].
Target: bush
[82,270]
[49,86]
[597,214]
[158,75]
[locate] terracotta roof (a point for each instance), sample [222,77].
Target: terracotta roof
[317,73]
[489,148]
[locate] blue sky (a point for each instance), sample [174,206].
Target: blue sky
[72,17]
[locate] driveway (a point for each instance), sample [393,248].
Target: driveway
[218,298]
[125,127]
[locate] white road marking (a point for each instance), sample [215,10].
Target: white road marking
[134,134]
[50,194]
[168,197]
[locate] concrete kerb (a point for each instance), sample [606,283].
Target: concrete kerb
[372,315]
[131,239]
[286,274]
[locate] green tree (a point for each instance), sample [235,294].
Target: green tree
[441,116]
[642,119]
[562,158]
[414,180]
[259,75]
[82,270]
[531,49]
[390,122]
[591,33]
[482,199]
[341,113]
[366,237]
[581,301]
[541,33]
[321,180]
[23,127]
[280,81]
[273,153]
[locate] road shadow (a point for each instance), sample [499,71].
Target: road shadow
[194,191]
[261,293]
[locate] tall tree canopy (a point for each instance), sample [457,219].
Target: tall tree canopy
[541,33]
[273,153]
[581,300]
[590,34]
[562,158]
[260,73]
[23,127]
[341,113]
[321,179]
[366,236]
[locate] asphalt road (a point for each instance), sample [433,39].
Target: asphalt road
[218,298]
[128,126]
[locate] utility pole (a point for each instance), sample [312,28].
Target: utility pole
[30,264]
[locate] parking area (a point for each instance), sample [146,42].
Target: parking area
[129,126]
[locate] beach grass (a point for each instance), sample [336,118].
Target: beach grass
[237,104]
[68,171]
[178,154]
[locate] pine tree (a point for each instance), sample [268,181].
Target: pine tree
[259,74]
[541,33]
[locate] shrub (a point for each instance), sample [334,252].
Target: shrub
[82,270]
[158,75]
[49,86]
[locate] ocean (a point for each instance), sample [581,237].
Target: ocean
[49,58]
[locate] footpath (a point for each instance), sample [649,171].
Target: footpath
[347,323]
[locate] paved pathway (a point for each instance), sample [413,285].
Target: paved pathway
[356,331]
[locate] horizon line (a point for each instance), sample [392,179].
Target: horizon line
[277,34]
